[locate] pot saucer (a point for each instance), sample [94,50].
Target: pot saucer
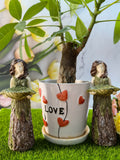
[68,141]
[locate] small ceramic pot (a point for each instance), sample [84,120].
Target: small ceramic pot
[64,108]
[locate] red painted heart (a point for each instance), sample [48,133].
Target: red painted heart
[45,123]
[62,123]
[81,100]
[40,92]
[44,100]
[63,96]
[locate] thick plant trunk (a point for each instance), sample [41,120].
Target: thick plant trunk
[67,72]
[103,127]
[21,136]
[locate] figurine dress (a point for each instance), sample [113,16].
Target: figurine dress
[103,127]
[21,137]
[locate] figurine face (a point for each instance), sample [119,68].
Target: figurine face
[100,69]
[19,69]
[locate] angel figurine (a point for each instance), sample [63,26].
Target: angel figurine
[21,137]
[103,127]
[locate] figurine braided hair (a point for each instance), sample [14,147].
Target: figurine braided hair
[12,68]
[94,69]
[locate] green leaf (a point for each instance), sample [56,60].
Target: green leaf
[9,47]
[39,56]
[79,1]
[20,26]
[117,30]
[53,35]
[15,9]
[58,33]
[53,9]
[20,48]
[68,37]
[27,48]
[81,29]
[75,1]
[4,68]
[35,9]
[36,21]
[47,6]
[37,31]
[88,1]
[6,34]
[36,68]
[73,8]
[4,73]
[4,81]
[73,27]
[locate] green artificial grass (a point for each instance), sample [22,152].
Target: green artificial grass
[44,150]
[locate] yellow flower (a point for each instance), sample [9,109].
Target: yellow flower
[6,2]
[35,87]
[24,55]
[53,69]
[38,38]
[57,40]
[117,122]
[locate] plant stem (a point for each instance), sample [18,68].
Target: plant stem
[108,6]
[29,35]
[95,2]
[91,13]
[112,20]
[45,78]
[20,48]
[60,21]
[2,9]
[43,26]
[44,17]
[72,10]
[92,23]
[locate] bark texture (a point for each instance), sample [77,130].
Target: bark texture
[67,72]
[21,137]
[103,127]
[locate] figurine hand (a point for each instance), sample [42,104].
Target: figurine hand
[28,97]
[93,93]
[114,93]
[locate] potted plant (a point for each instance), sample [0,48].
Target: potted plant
[62,122]
[63,90]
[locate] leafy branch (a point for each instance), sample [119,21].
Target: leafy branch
[110,20]
[108,6]
[32,23]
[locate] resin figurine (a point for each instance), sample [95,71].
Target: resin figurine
[21,137]
[103,127]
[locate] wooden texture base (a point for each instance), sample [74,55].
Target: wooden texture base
[21,137]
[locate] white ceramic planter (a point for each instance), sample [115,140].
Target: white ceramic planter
[64,108]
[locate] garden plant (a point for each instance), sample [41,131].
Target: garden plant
[72,47]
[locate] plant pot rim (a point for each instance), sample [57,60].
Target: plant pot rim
[55,82]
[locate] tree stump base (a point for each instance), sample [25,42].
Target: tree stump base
[21,137]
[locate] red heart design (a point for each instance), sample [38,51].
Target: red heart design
[81,100]
[63,95]
[45,123]
[40,92]
[62,123]
[44,100]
